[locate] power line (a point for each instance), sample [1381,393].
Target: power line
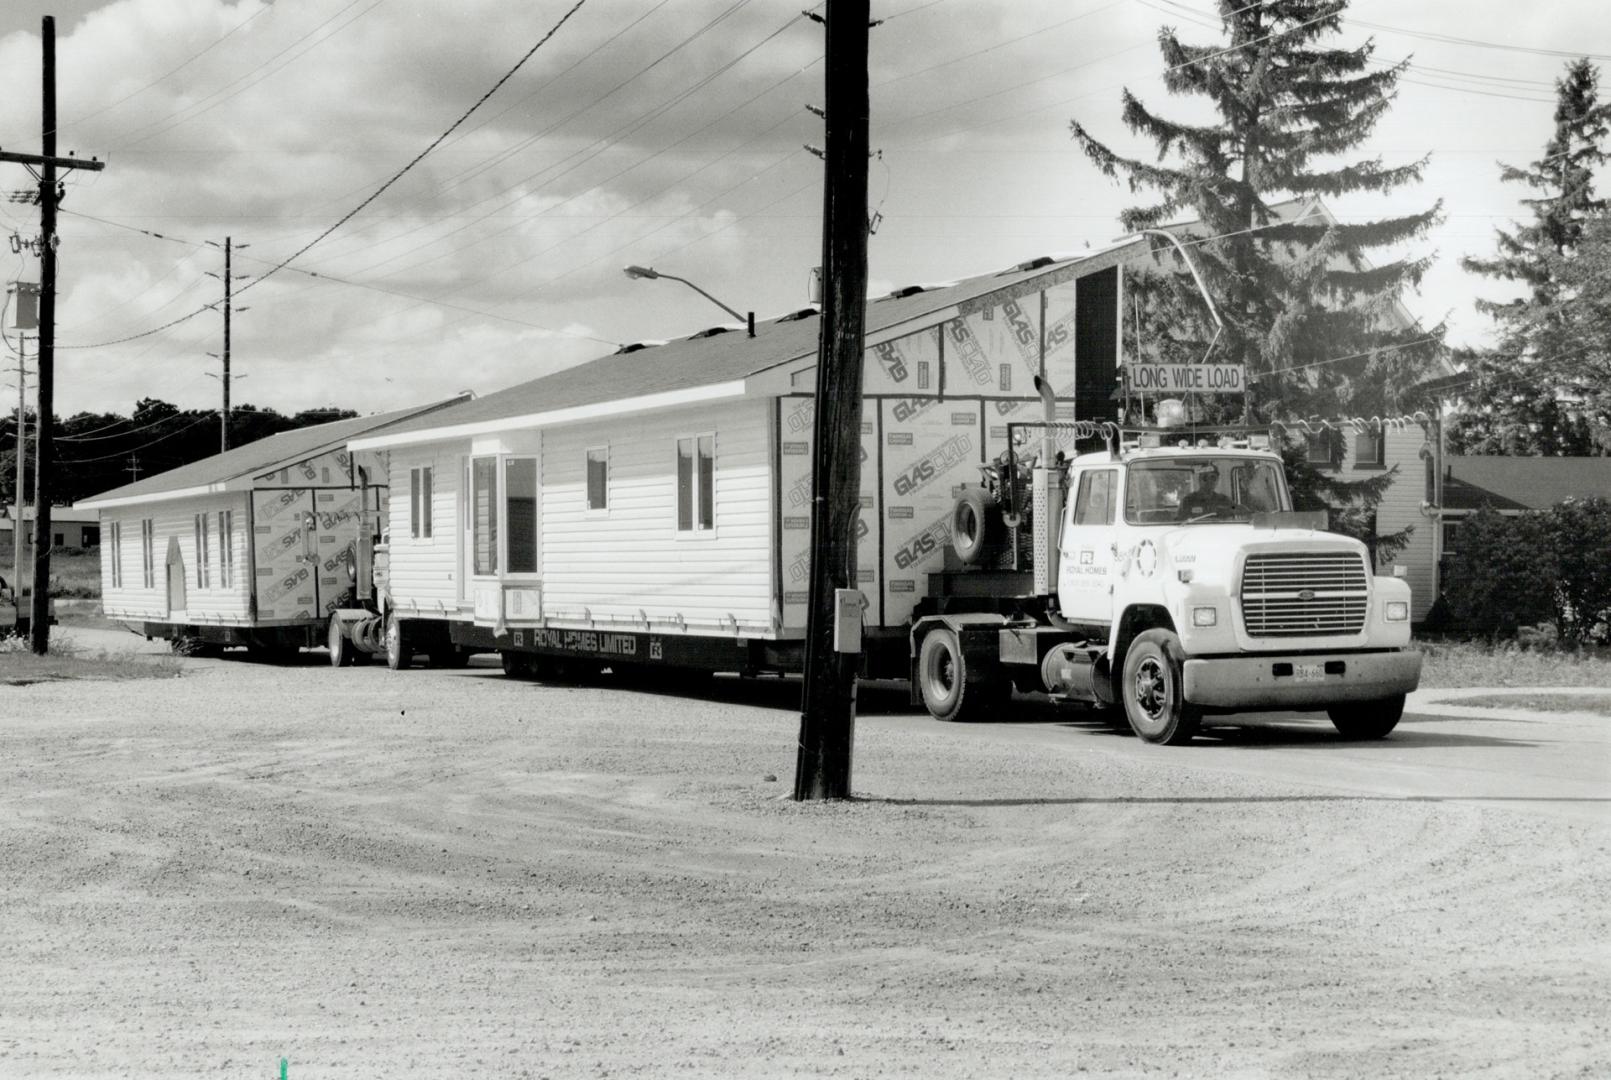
[126,451]
[421,155]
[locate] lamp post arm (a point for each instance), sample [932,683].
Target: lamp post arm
[673,277]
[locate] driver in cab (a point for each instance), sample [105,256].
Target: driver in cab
[1206,501]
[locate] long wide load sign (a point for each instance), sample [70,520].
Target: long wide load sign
[1186,378]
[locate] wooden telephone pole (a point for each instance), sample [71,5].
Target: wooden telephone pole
[44,446]
[833,627]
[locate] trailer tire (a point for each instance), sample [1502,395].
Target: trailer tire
[343,653]
[517,665]
[973,524]
[950,690]
[1367,719]
[399,649]
[1153,690]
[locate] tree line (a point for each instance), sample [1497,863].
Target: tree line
[96,452]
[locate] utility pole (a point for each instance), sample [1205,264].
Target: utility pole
[49,195]
[19,545]
[833,627]
[229,288]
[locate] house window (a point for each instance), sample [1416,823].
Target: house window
[1319,450]
[520,514]
[148,556]
[484,515]
[1094,503]
[60,540]
[1370,450]
[203,554]
[598,479]
[696,482]
[115,534]
[419,502]
[226,548]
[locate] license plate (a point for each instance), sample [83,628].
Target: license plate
[1309,672]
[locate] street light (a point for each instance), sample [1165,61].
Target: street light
[650,273]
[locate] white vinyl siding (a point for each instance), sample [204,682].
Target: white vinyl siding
[423,574]
[621,568]
[222,601]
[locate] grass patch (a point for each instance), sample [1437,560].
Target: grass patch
[20,667]
[75,573]
[1459,664]
[1545,702]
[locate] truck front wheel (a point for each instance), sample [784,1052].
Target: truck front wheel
[949,690]
[1367,719]
[1153,691]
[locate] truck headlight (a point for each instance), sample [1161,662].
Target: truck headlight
[1204,616]
[1397,611]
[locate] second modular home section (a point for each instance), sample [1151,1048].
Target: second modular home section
[664,493]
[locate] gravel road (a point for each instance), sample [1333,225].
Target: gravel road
[455,874]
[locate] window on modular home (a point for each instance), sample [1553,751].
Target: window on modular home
[1370,449]
[484,514]
[598,479]
[696,482]
[148,555]
[203,546]
[226,548]
[115,535]
[419,502]
[520,514]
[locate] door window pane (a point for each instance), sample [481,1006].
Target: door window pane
[1094,504]
[520,513]
[598,479]
[707,481]
[484,514]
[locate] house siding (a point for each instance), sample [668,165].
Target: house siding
[1401,507]
[628,562]
[214,604]
[423,572]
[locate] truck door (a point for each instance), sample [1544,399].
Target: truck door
[1085,551]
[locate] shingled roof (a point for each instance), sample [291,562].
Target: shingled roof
[255,458]
[724,356]
[1522,483]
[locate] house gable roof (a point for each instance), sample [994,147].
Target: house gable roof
[658,373]
[1522,483]
[254,458]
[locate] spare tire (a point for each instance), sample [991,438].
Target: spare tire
[974,524]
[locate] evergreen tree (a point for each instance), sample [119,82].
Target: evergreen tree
[1531,388]
[1302,304]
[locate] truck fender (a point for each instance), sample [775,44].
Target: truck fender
[976,631]
[1132,622]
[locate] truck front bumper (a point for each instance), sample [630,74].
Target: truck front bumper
[1288,682]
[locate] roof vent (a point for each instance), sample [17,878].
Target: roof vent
[909,290]
[796,316]
[712,332]
[636,346]
[1033,264]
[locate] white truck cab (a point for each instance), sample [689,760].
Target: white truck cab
[1215,595]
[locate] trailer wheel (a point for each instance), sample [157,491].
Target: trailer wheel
[1153,690]
[1367,719]
[516,665]
[399,649]
[973,522]
[949,690]
[342,651]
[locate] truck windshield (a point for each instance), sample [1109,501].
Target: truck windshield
[1187,490]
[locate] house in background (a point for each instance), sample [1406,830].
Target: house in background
[70,527]
[1513,486]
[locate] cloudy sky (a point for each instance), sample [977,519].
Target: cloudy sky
[658,132]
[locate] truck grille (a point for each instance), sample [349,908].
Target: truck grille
[1304,594]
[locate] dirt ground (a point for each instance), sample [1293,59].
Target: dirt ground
[454,874]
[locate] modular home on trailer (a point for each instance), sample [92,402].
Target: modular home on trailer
[254,546]
[653,506]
